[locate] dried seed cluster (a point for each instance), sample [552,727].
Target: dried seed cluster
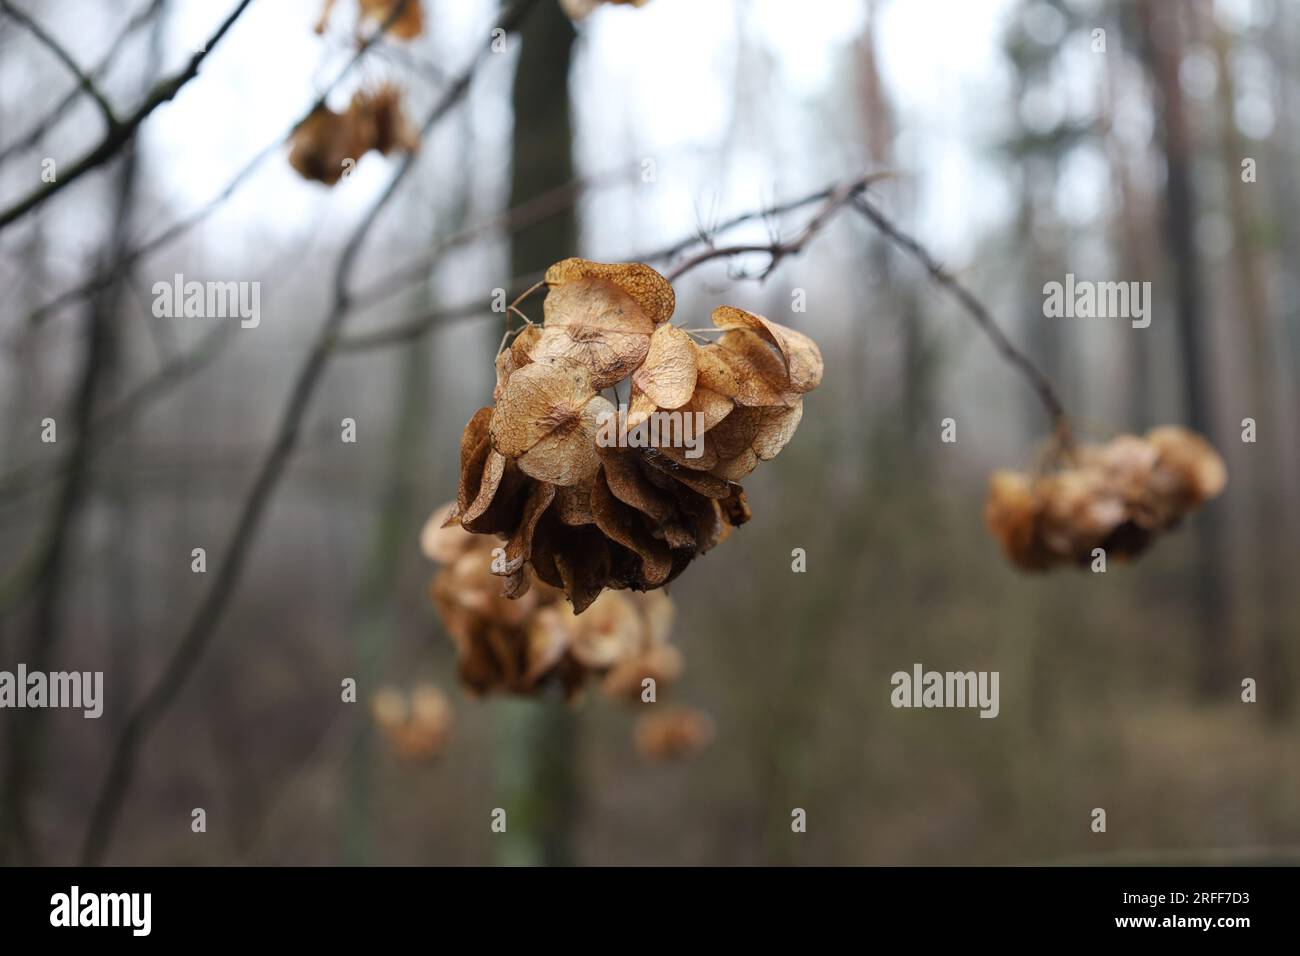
[323,141]
[375,13]
[585,514]
[1117,496]
[675,733]
[417,725]
[519,646]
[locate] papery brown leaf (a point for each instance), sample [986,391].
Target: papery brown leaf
[708,485]
[651,291]
[547,419]
[581,557]
[320,144]
[520,545]
[625,477]
[750,435]
[667,376]
[705,460]
[515,357]
[760,375]
[474,449]
[622,523]
[799,353]
[597,326]
[714,406]
[573,504]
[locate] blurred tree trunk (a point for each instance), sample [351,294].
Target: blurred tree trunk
[375,615]
[1162,54]
[1267,532]
[537,747]
[1128,236]
[913,429]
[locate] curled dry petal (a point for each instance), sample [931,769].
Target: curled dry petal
[651,291]
[626,479]
[515,357]
[596,325]
[802,358]
[547,421]
[573,504]
[667,377]
[624,525]
[760,376]
[750,435]
[520,545]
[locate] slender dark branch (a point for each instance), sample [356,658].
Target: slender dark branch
[185,224]
[121,133]
[537,209]
[945,280]
[42,126]
[142,720]
[838,197]
[409,330]
[27,477]
[64,57]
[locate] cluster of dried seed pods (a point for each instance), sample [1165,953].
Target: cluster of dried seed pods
[417,725]
[560,473]
[1118,496]
[324,142]
[520,646]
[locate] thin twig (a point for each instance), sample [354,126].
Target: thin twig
[43,125]
[408,330]
[184,225]
[31,475]
[145,716]
[64,57]
[838,198]
[121,133]
[1041,385]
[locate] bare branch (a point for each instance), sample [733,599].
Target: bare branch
[121,133]
[42,126]
[945,280]
[26,478]
[145,716]
[838,198]
[185,224]
[64,57]
[411,329]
